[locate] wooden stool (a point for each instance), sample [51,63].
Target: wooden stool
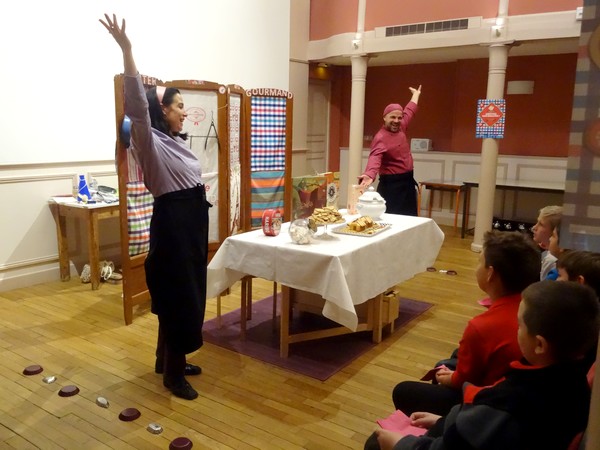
[451,186]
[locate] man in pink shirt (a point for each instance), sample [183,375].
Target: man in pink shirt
[390,157]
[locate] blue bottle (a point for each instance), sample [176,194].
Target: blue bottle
[83,193]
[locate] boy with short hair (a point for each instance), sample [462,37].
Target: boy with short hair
[509,263]
[548,219]
[544,400]
[555,250]
[580,266]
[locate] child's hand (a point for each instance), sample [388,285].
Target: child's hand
[387,439]
[444,376]
[423,419]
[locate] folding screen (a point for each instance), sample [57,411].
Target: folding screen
[236,99]
[243,141]
[268,161]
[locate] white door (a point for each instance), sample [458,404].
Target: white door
[317,131]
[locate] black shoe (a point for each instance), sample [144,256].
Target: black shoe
[181,388]
[190,369]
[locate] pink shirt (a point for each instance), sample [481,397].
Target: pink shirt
[390,152]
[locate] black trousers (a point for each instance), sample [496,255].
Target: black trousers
[399,192]
[415,396]
[176,267]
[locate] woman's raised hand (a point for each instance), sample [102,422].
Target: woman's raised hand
[117,32]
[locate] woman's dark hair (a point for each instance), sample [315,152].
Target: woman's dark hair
[565,313]
[157,118]
[515,258]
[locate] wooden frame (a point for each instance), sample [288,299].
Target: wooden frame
[135,291]
[234,90]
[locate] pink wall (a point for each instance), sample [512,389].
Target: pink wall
[536,125]
[385,13]
[331,17]
[518,7]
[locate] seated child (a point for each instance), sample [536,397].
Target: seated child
[548,218]
[555,250]
[509,263]
[544,400]
[580,266]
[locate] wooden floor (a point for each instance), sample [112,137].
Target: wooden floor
[79,336]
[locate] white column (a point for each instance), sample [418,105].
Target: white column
[489,149]
[357,117]
[357,100]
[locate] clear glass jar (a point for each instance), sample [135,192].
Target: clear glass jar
[300,232]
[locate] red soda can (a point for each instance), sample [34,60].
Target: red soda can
[271,222]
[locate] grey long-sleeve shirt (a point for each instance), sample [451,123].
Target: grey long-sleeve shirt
[168,164]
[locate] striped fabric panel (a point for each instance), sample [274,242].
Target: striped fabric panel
[139,213]
[134,171]
[268,133]
[580,228]
[267,188]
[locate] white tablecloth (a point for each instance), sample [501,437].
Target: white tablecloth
[345,270]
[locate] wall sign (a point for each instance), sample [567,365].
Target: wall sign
[491,115]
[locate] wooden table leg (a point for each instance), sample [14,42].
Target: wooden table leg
[377,325]
[456,207]
[243,308]
[284,331]
[431,191]
[249,299]
[94,253]
[63,243]
[466,207]
[274,306]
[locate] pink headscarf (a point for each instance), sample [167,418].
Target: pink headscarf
[160,93]
[392,107]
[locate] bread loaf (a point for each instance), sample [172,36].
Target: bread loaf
[361,224]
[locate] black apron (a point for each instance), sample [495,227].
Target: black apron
[176,266]
[399,192]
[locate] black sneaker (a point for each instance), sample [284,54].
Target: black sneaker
[190,369]
[181,388]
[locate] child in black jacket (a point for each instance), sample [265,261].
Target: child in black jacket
[543,402]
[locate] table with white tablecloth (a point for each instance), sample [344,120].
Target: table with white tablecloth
[345,270]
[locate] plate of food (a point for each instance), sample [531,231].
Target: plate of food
[326,216]
[363,226]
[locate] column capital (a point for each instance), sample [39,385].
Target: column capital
[359,67]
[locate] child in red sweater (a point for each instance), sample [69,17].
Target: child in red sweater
[509,262]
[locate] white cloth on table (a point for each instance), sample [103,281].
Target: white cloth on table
[345,270]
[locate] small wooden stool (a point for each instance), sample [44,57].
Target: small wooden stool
[449,186]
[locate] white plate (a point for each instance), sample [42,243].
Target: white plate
[367,233]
